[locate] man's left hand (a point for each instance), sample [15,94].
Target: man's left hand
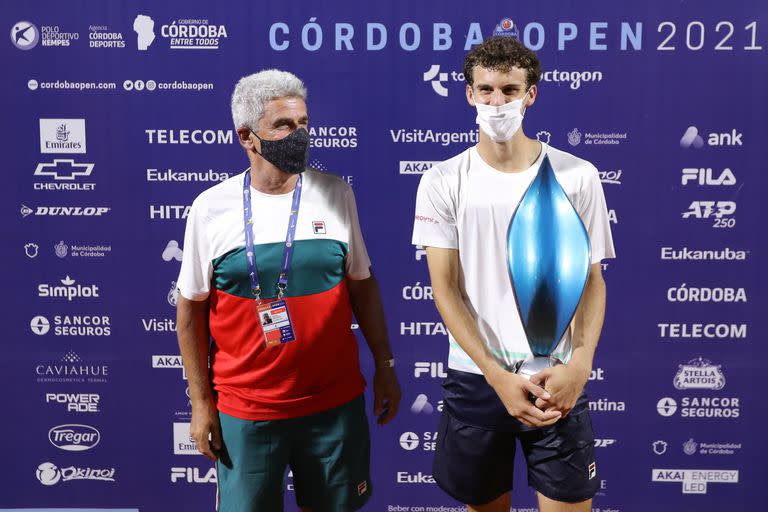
[564,383]
[386,395]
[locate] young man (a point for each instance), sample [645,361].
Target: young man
[463,209]
[284,387]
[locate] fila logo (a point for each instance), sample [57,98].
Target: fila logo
[318,227]
[434,370]
[704,176]
[592,471]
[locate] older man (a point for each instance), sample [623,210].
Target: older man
[281,243]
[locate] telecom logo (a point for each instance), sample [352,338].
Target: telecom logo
[74,438]
[62,136]
[695,480]
[172,251]
[49,474]
[25,35]
[666,406]
[699,374]
[692,139]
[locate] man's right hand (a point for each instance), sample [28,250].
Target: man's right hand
[514,390]
[205,428]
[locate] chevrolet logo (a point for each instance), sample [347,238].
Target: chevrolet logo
[63,169]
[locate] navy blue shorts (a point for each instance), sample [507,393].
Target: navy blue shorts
[475,452]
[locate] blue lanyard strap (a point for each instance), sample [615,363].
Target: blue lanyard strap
[253,273]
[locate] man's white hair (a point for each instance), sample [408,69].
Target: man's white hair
[254,91]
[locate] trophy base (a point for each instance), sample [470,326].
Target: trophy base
[534,364]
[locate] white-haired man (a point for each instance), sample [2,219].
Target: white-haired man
[280,243]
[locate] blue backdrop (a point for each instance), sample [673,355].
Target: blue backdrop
[106,144]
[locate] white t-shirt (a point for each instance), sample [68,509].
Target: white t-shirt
[215,227]
[465,204]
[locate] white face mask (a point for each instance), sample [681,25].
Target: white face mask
[500,123]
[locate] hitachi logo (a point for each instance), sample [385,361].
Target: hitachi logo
[168,211]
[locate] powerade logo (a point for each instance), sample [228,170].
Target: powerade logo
[74,438]
[596,36]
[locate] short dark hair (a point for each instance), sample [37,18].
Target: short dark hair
[502,53]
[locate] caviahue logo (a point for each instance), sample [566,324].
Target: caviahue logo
[74,438]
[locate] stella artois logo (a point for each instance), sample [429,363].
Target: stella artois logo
[699,374]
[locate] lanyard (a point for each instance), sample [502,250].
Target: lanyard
[282,282]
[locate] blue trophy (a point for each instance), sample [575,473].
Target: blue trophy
[548,257]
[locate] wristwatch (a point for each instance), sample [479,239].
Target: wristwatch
[387,363]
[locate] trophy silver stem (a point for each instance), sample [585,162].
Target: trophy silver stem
[534,364]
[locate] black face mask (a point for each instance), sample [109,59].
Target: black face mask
[288,154]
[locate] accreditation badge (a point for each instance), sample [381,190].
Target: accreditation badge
[276,323]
